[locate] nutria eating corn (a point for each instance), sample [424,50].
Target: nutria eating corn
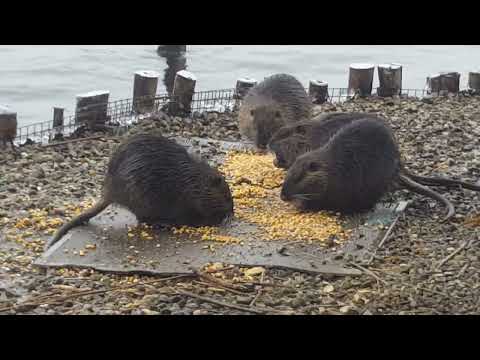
[294,140]
[278,100]
[352,171]
[158,181]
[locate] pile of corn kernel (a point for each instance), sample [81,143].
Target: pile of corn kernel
[25,231]
[207,233]
[255,184]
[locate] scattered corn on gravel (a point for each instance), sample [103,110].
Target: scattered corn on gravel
[255,184]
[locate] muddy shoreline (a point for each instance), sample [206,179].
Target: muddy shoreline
[411,274]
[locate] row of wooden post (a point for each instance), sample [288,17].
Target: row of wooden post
[92,107]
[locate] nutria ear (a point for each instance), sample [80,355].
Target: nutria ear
[300,129]
[313,166]
[278,114]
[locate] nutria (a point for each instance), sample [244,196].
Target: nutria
[278,100]
[8,129]
[294,140]
[352,171]
[158,181]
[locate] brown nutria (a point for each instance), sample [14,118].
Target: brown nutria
[158,181]
[352,171]
[278,100]
[294,140]
[8,128]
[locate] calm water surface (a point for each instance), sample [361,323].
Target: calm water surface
[35,78]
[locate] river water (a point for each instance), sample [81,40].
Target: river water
[35,78]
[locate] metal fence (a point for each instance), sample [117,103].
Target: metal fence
[124,113]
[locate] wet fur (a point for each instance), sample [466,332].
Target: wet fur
[280,99]
[291,141]
[158,181]
[294,140]
[352,171]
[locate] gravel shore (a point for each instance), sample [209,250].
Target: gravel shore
[425,267]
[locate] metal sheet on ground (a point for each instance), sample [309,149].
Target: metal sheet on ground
[169,254]
[166,254]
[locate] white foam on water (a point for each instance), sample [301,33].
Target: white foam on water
[247,80]
[6,110]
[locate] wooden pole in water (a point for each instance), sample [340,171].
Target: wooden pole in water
[144,91]
[58,118]
[92,108]
[58,121]
[390,80]
[8,125]
[243,86]
[474,81]
[361,79]
[183,90]
[444,83]
[318,91]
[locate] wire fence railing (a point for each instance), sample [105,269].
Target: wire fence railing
[126,112]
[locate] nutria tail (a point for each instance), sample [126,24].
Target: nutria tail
[441,181]
[420,189]
[79,220]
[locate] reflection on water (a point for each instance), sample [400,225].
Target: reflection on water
[34,78]
[175,56]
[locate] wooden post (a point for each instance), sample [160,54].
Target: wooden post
[183,90]
[8,126]
[58,119]
[444,83]
[390,80]
[144,91]
[58,122]
[361,79]
[92,108]
[474,81]
[318,91]
[242,87]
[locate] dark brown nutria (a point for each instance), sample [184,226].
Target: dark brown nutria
[8,130]
[278,100]
[294,140]
[352,172]
[158,181]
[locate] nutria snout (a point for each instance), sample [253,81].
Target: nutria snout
[278,100]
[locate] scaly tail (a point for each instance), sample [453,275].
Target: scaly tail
[420,189]
[440,181]
[79,220]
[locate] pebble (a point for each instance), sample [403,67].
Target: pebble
[436,136]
